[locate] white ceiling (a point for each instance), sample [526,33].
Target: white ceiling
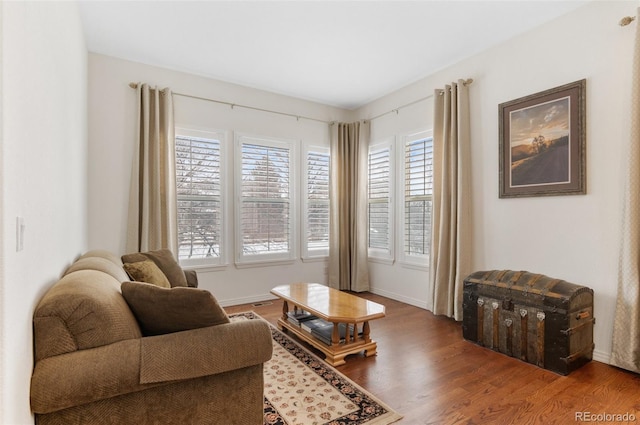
[339,53]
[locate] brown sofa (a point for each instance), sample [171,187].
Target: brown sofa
[94,364]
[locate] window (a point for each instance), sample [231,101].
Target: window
[316,205]
[265,187]
[199,197]
[418,190]
[380,209]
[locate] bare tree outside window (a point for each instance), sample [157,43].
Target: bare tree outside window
[379,198]
[199,197]
[317,201]
[266,203]
[418,196]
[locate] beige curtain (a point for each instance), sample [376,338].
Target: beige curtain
[625,352]
[152,200]
[348,256]
[450,248]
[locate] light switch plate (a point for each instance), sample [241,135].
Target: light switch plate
[19,234]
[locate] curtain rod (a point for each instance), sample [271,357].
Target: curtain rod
[236,105]
[298,117]
[397,110]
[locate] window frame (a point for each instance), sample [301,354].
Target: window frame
[248,260]
[309,254]
[377,254]
[411,260]
[222,137]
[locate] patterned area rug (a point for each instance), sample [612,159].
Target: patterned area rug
[301,389]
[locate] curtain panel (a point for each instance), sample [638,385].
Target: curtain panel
[152,222]
[348,251]
[451,234]
[625,350]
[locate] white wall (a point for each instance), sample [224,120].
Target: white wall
[399,281]
[570,237]
[43,180]
[575,238]
[112,109]
[43,163]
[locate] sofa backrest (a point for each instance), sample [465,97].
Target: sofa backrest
[100,264]
[84,309]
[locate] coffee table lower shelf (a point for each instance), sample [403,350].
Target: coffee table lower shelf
[335,353]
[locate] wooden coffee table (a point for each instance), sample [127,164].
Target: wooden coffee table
[336,307]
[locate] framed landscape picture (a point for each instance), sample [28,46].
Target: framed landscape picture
[542,143]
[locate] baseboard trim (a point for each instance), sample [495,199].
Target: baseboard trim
[247,300]
[602,356]
[264,297]
[398,297]
[598,355]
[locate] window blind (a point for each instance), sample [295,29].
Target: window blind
[417,196]
[379,198]
[317,201]
[266,203]
[199,197]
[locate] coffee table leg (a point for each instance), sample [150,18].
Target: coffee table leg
[372,350]
[335,336]
[372,346]
[366,331]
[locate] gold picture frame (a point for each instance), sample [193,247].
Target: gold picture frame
[542,143]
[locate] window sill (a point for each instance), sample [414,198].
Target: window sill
[315,259]
[263,263]
[204,267]
[415,265]
[211,262]
[379,260]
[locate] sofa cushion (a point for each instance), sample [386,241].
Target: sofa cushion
[147,271]
[84,309]
[165,260]
[166,310]
[100,264]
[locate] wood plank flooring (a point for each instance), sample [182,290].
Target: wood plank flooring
[425,370]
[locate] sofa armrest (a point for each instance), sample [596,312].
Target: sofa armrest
[85,376]
[192,278]
[204,351]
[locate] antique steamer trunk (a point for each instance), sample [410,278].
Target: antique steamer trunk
[538,319]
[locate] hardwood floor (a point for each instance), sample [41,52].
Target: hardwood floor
[425,370]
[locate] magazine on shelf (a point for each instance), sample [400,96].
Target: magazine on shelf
[310,325]
[324,332]
[299,316]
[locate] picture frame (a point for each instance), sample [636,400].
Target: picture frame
[542,143]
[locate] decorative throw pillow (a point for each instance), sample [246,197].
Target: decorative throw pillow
[165,260]
[147,271]
[165,310]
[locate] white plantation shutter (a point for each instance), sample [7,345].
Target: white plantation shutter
[199,197]
[379,189]
[418,163]
[317,203]
[265,195]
